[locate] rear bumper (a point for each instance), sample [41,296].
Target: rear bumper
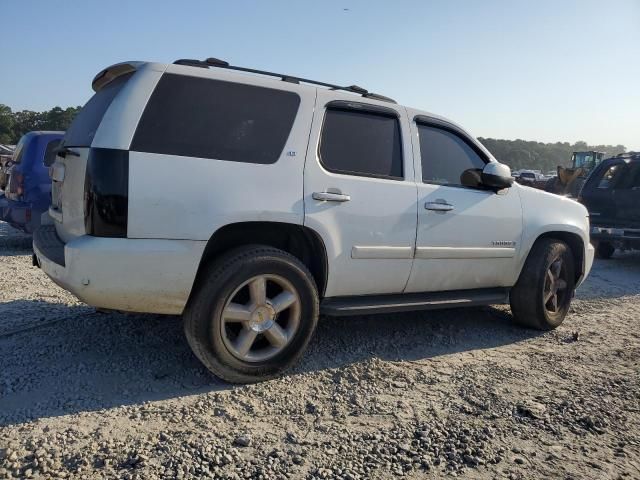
[136,275]
[20,215]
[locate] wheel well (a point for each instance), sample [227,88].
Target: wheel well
[300,241]
[575,244]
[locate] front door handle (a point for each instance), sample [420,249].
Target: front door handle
[330,197]
[438,206]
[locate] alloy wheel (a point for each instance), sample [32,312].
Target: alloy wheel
[260,318]
[555,286]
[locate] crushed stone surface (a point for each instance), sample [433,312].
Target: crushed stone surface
[465,393]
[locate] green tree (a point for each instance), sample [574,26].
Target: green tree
[519,154]
[6,124]
[15,124]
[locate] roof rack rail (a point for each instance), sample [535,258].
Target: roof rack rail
[215,62]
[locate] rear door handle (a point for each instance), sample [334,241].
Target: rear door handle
[438,206]
[330,197]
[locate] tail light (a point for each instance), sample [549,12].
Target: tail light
[20,184]
[106,193]
[16,185]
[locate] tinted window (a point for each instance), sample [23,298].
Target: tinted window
[49,153]
[84,126]
[361,143]
[446,157]
[630,178]
[609,176]
[199,117]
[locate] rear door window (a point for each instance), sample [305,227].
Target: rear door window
[50,152]
[84,126]
[205,118]
[361,143]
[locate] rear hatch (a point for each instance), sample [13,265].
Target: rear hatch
[69,170]
[612,194]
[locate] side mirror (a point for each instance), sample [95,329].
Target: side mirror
[496,175]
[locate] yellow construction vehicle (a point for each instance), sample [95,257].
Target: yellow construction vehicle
[570,179]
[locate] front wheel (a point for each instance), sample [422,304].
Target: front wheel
[542,296]
[253,314]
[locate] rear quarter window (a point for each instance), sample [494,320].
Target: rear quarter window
[206,118]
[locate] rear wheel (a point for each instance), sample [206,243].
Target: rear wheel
[253,314]
[542,296]
[605,250]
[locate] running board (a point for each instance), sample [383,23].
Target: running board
[406,302]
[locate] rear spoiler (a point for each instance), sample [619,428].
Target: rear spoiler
[114,71]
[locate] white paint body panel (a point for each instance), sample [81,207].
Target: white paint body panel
[190,198]
[154,276]
[379,218]
[381,241]
[455,249]
[545,212]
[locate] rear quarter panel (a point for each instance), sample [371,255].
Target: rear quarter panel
[190,198]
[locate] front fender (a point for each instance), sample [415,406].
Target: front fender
[545,213]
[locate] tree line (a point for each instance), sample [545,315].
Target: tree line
[15,124]
[517,154]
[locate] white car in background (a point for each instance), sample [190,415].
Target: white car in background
[290,198]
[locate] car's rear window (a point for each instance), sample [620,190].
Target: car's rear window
[50,152]
[18,153]
[205,118]
[84,126]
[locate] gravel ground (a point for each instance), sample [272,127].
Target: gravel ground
[85,394]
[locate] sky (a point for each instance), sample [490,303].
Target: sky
[544,70]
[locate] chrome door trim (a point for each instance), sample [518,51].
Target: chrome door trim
[464,252]
[381,252]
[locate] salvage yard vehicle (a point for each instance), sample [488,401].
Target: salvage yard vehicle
[612,196]
[28,190]
[569,180]
[290,198]
[531,178]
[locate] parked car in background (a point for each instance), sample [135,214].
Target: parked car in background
[532,178]
[6,154]
[295,197]
[28,189]
[5,171]
[612,196]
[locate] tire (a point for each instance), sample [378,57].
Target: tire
[280,337]
[605,250]
[528,296]
[550,186]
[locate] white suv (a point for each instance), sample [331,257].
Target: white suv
[251,202]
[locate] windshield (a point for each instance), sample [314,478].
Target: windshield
[584,159]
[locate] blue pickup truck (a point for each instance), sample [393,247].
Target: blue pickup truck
[28,192]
